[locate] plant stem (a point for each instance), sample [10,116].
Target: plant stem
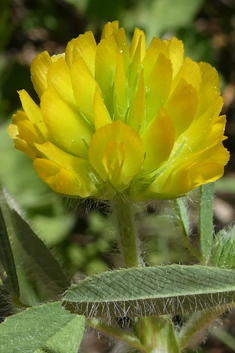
[147,336]
[181,212]
[116,332]
[123,215]
[206,220]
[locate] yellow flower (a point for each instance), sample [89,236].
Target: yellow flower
[118,118]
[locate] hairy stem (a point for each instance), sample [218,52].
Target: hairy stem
[116,332]
[123,215]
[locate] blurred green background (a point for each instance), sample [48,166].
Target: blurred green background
[81,237]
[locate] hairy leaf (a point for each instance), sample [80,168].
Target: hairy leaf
[223,249]
[33,260]
[180,208]
[7,259]
[152,290]
[43,329]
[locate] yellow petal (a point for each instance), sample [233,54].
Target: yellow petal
[206,166]
[116,153]
[50,151]
[121,40]
[20,144]
[196,135]
[214,154]
[182,106]
[155,48]
[24,134]
[84,86]
[217,131]
[158,86]
[59,77]
[68,129]
[190,72]
[56,57]
[138,39]
[134,72]
[136,117]
[120,98]
[39,69]
[113,159]
[176,52]
[33,113]
[189,173]
[101,114]
[209,88]
[158,140]
[84,46]
[105,67]
[58,178]
[73,164]
[19,116]
[109,29]
[27,132]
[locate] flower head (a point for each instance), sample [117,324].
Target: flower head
[119,118]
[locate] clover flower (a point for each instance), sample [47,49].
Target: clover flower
[119,118]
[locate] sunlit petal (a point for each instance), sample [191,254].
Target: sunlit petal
[182,106]
[116,153]
[82,47]
[101,114]
[68,129]
[34,114]
[84,86]
[176,53]
[158,140]
[158,86]
[39,69]
[109,29]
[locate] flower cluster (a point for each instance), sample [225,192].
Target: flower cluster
[119,118]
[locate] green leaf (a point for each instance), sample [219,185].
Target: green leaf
[166,336]
[206,219]
[194,330]
[33,260]
[156,334]
[223,249]
[180,208]
[7,259]
[42,329]
[152,291]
